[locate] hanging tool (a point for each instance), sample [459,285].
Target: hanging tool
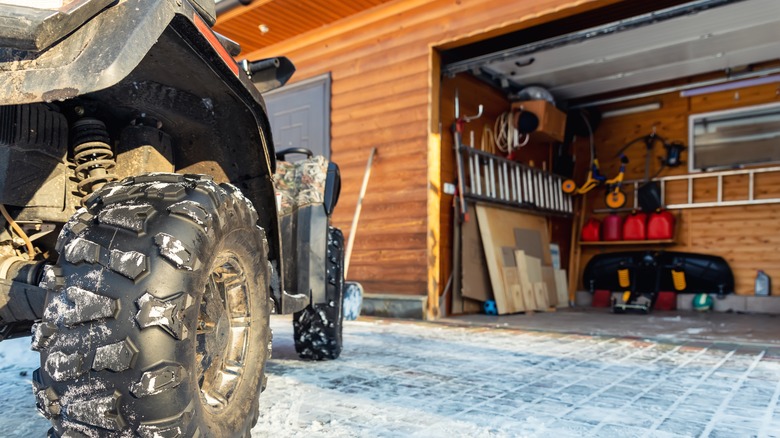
[649,193]
[594,178]
[673,152]
[615,197]
[457,134]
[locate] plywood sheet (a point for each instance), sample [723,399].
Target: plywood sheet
[475,279]
[534,269]
[548,278]
[511,278]
[540,292]
[526,287]
[471,306]
[504,222]
[562,288]
[493,256]
[535,277]
[530,241]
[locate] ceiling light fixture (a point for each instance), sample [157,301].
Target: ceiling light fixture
[631,110]
[730,86]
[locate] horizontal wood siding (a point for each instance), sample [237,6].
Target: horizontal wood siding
[747,237]
[380,62]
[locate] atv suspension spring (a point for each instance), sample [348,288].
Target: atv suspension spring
[93,155]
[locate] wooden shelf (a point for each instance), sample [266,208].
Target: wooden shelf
[629,242]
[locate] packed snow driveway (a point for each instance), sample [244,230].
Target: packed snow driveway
[427,380]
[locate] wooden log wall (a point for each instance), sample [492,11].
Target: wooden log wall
[385,94]
[748,237]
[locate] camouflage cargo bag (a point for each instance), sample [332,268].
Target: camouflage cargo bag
[300,183]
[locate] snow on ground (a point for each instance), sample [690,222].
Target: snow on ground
[17,405]
[401,379]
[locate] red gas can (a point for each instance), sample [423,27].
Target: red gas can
[591,231]
[660,225]
[612,228]
[635,226]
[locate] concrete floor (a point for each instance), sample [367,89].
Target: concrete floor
[680,326]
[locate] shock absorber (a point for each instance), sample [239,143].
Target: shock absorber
[93,155]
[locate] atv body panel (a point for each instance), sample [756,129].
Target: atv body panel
[156,59]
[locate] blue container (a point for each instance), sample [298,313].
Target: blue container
[353,300]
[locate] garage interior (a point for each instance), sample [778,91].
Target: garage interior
[687,92]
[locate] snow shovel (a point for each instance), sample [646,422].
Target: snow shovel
[353,291]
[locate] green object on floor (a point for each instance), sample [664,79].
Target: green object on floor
[702,302]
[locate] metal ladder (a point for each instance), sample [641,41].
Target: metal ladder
[750,194]
[498,180]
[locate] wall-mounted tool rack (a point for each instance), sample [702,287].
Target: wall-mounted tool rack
[497,180]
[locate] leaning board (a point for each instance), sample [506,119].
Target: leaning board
[562,288]
[497,229]
[527,289]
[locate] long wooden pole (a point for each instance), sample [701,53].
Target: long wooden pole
[575,252]
[353,228]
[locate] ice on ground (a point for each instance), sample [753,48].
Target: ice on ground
[695,330]
[19,416]
[401,379]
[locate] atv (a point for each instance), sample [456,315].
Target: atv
[148,227]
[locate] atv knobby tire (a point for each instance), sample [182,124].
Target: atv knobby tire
[318,327]
[156,320]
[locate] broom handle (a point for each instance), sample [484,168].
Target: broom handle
[353,228]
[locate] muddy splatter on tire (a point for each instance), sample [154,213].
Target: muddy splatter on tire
[156,319]
[318,327]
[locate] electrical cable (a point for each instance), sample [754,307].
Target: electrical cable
[503,132]
[506,136]
[590,136]
[487,142]
[19,231]
[525,142]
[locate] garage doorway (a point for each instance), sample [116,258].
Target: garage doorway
[627,72]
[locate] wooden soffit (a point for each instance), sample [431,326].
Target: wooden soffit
[284,19]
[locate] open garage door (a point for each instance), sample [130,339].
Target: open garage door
[623,98]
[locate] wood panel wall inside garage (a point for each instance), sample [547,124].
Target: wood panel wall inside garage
[748,237]
[473,93]
[382,66]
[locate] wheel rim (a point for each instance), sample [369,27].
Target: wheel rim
[616,199]
[223,331]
